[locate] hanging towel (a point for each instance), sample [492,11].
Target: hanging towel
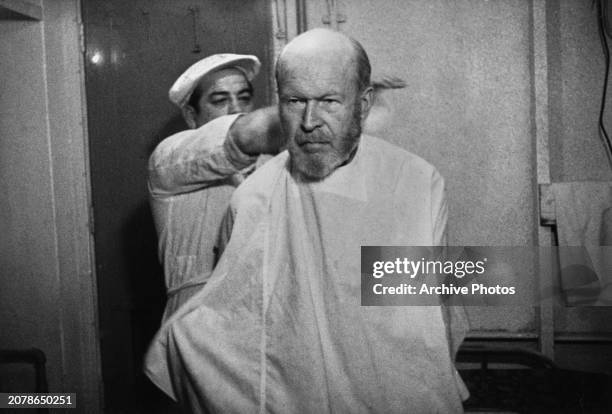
[584,226]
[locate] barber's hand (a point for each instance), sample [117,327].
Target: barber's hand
[388,82]
[259,132]
[381,112]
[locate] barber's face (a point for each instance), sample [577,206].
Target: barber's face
[225,92]
[321,115]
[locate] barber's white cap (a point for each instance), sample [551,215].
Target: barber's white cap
[184,86]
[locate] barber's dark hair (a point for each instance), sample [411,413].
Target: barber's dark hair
[194,99]
[362,65]
[197,93]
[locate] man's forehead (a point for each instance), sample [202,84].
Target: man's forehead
[311,58]
[315,86]
[224,78]
[318,76]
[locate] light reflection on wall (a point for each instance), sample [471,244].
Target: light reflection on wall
[97,58]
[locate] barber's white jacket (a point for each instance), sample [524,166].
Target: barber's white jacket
[192,176]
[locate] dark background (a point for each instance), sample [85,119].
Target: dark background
[134,52]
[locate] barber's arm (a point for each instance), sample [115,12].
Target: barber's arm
[257,132]
[199,158]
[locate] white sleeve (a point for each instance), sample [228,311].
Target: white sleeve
[195,159]
[439,210]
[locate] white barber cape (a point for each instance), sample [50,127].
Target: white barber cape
[279,327]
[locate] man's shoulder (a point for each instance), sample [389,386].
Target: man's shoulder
[176,137]
[394,161]
[210,135]
[164,149]
[261,183]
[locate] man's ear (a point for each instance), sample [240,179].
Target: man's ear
[366,101]
[189,115]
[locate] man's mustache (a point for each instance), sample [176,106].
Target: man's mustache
[314,137]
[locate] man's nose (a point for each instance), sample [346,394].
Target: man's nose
[234,106]
[310,119]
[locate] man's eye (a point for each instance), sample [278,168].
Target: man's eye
[219,102]
[246,98]
[295,102]
[329,101]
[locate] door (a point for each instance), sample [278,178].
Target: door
[134,52]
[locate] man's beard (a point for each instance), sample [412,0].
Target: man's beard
[314,166]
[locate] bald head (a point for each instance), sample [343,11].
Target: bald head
[328,48]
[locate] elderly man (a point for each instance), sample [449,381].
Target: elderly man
[279,327]
[192,174]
